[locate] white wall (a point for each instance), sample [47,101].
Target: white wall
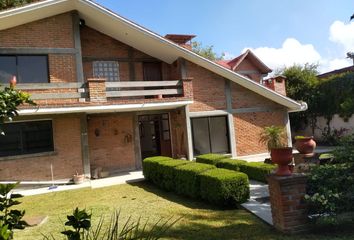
[336,123]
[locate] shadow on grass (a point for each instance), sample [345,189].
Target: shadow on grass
[174,197]
[212,222]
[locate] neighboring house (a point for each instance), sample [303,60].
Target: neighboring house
[336,72]
[110,92]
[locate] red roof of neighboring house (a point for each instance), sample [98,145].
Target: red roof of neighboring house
[234,63]
[337,71]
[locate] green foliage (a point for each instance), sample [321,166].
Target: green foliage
[114,230]
[167,173]
[273,137]
[150,168]
[301,82]
[231,164]
[210,158]
[255,170]
[224,187]
[5,4]
[331,186]
[10,99]
[80,221]
[188,180]
[206,51]
[10,218]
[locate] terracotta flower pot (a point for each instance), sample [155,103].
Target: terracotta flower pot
[282,157]
[305,145]
[78,178]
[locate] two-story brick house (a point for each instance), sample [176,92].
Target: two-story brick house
[110,92]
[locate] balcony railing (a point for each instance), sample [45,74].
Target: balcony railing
[46,91]
[143,88]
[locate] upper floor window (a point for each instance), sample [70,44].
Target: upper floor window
[26,137]
[106,69]
[27,69]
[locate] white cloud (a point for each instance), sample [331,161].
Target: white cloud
[291,52]
[343,35]
[333,64]
[228,55]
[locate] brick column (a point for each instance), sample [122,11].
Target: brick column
[289,211]
[187,87]
[97,89]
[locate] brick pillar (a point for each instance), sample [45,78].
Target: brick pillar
[289,211]
[97,89]
[187,87]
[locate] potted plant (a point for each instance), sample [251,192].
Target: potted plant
[274,138]
[305,145]
[78,178]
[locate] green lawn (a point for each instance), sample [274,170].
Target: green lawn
[200,221]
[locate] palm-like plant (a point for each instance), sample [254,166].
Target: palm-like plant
[273,137]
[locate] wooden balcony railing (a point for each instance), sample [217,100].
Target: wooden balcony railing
[141,88]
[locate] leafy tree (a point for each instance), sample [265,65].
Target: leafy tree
[206,51]
[10,100]
[5,4]
[301,85]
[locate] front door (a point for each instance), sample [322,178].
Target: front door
[154,135]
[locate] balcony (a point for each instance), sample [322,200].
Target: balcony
[97,91]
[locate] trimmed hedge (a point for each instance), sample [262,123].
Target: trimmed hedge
[210,158]
[258,170]
[231,164]
[187,178]
[255,170]
[168,173]
[150,166]
[224,187]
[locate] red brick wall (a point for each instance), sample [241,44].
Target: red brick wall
[62,68]
[50,32]
[248,127]
[66,133]
[245,98]
[208,89]
[247,65]
[113,149]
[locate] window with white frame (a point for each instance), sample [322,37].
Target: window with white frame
[106,69]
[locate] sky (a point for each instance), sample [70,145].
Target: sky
[280,32]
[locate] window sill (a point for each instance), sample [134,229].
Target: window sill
[15,157]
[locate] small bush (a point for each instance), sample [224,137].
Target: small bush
[167,172]
[210,158]
[150,168]
[255,170]
[224,187]
[231,164]
[187,178]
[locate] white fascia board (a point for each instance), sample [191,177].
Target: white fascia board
[105,108]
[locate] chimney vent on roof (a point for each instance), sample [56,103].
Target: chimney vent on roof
[181,39]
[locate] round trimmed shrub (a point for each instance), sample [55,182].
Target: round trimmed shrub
[224,187]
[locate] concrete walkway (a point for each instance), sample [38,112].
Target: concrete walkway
[125,177]
[258,203]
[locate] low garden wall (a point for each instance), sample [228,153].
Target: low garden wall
[221,187]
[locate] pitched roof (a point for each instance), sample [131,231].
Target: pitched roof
[337,71]
[234,63]
[132,34]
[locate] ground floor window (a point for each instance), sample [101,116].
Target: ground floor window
[210,135]
[26,138]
